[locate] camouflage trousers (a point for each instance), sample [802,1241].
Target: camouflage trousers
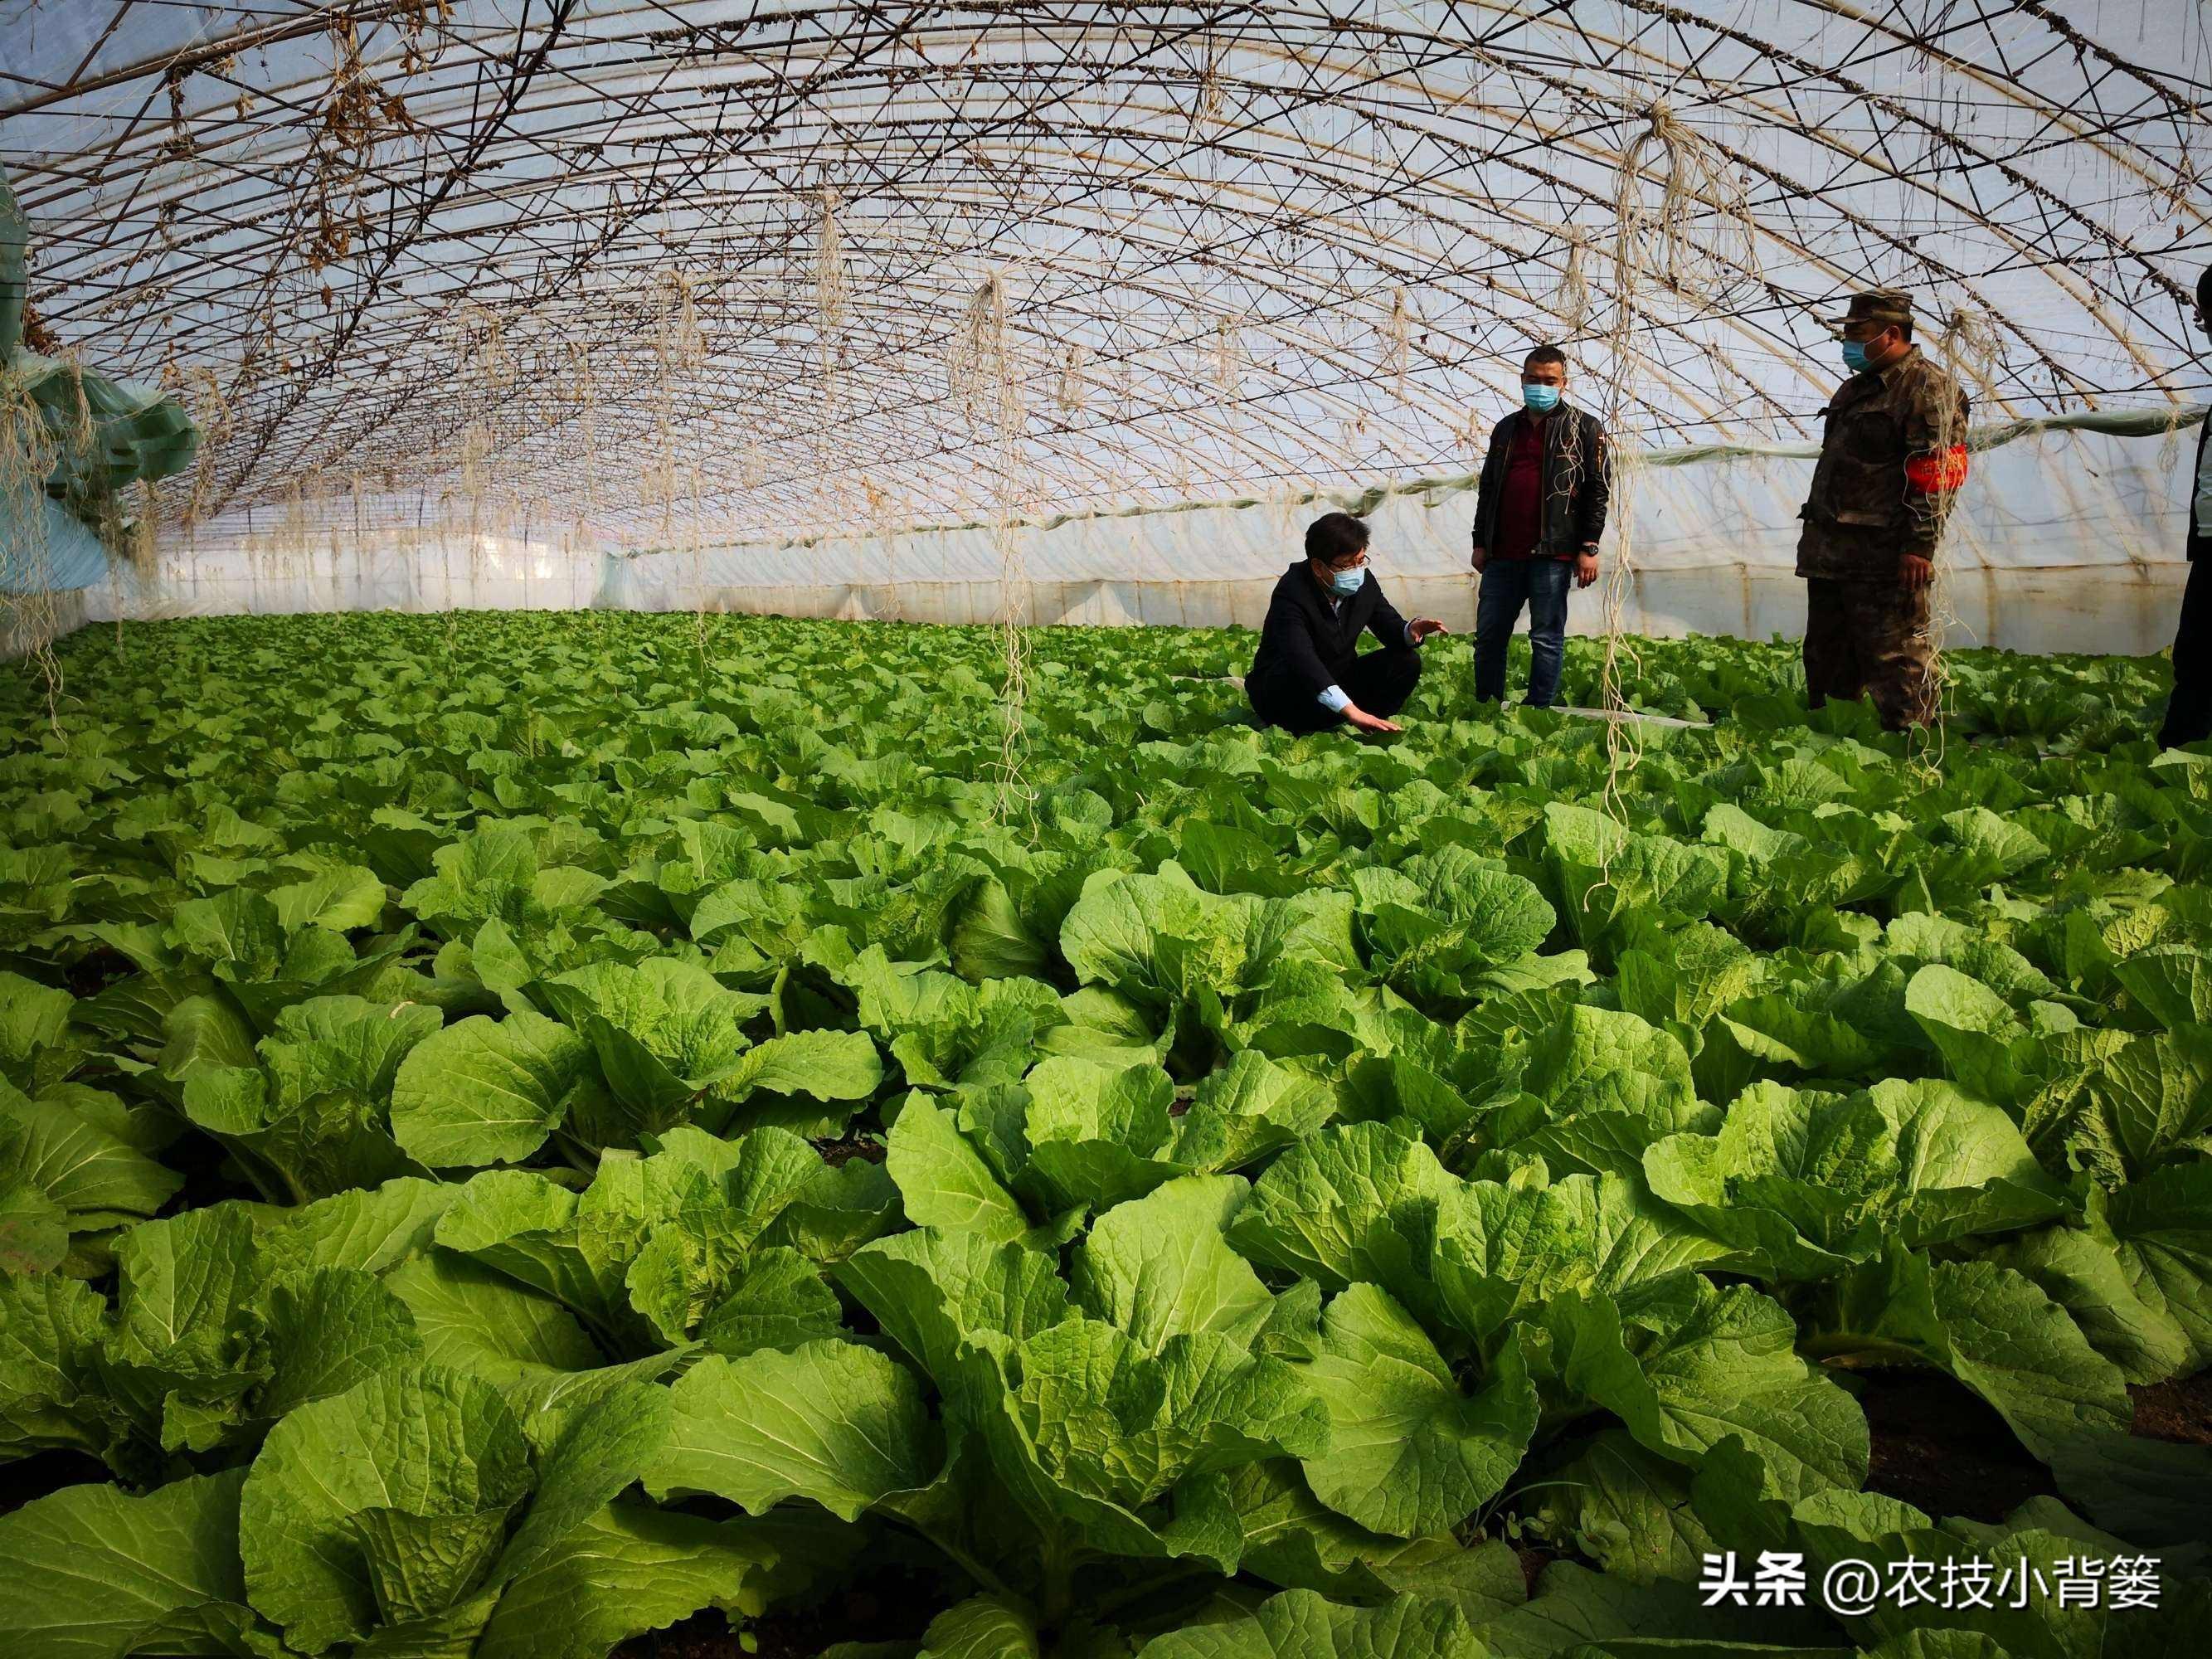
[1870,639]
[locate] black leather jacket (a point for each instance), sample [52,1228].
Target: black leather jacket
[1578,482]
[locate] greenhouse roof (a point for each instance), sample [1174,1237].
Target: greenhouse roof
[803,267]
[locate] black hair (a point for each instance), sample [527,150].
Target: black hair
[1334,536]
[2204,293]
[1904,330]
[1546,354]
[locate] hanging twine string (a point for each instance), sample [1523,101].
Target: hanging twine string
[832,301]
[676,476]
[1969,348]
[1398,340]
[1572,300]
[29,452]
[1071,391]
[886,516]
[1228,358]
[832,287]
[1656,242]
[984,375]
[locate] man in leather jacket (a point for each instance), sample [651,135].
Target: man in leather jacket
[1539,514]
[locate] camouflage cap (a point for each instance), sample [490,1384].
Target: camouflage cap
[1876,305]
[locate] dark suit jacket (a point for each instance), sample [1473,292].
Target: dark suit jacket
[1305,647]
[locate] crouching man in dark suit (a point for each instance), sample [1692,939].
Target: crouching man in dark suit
[1308,675]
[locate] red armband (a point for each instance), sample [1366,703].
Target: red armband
[1937,472]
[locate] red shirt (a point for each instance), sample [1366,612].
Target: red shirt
[1520,501]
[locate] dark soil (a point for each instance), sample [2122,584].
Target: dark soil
[47,1472]
[838,1153]
[703,1636]
[1535,1557]
[1939,1448]
[1942,1450]
[2176,1411]
[851,1615]
[209,1175]
[96,969]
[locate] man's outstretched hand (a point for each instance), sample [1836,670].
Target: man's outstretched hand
[1422,627]
[1367,722]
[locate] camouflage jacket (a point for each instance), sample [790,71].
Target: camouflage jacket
[1892,456]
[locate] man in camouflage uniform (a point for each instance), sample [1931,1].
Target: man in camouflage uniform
[2189,710]
[1892,456]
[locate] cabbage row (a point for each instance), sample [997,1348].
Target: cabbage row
[519,1130]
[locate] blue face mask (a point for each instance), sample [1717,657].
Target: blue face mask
[1345,583]
[1540,399]
[1855,357]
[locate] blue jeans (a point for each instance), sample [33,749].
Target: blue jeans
[1509,584]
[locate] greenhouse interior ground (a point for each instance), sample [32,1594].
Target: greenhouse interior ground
[708,946]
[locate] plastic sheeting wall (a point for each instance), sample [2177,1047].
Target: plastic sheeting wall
[488,572]
[2067,538]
